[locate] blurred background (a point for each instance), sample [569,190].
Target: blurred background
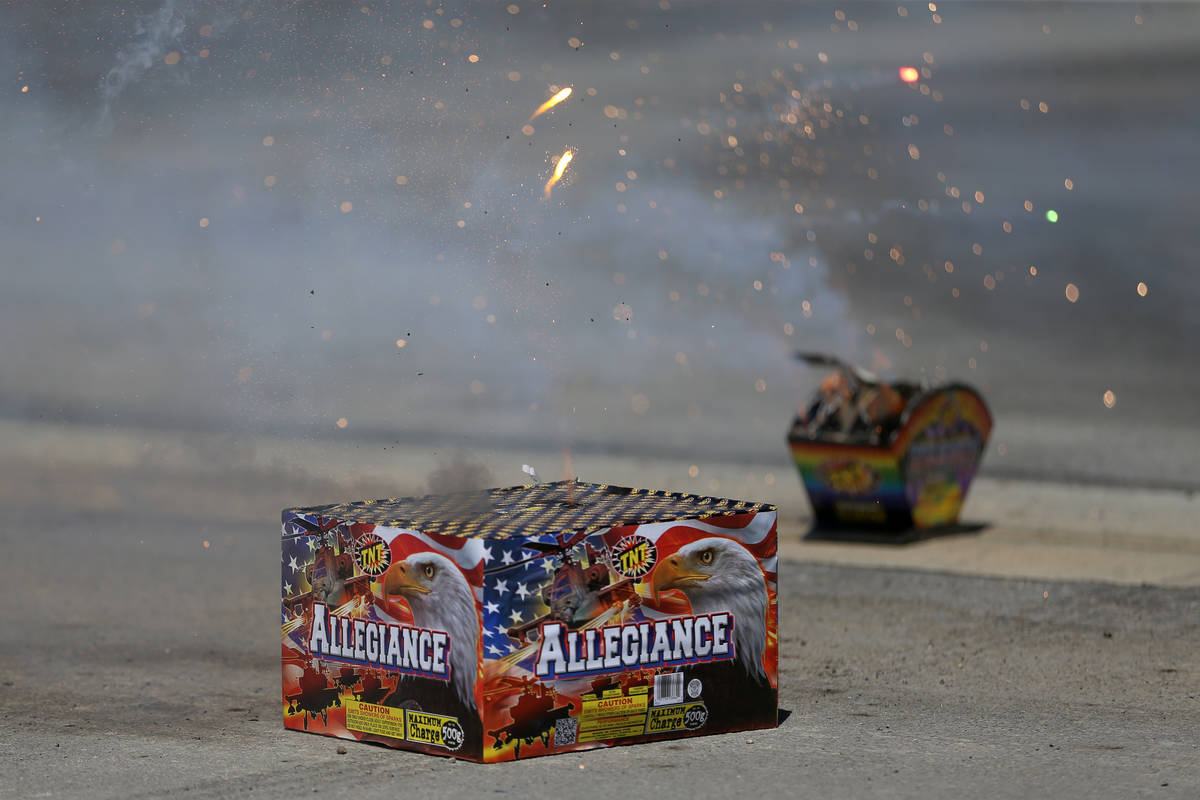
[311,246]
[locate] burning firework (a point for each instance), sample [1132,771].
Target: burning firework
[559,169]
[559,96]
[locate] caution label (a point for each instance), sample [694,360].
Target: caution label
[412,726]
[434,729]
[376,719]
[612,717]
[685,716]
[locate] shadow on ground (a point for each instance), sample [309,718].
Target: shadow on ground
[896,537]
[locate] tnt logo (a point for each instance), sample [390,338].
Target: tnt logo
[373,553]
[634,556]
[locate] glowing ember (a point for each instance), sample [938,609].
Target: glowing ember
[909,74]
[561,95]
[559,169]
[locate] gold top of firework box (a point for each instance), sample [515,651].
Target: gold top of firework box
[541,508]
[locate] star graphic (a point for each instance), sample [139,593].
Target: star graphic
[287,588]
[496,651]
[292,564]
[311,542]
[501,587]
[487,553]
[491,608]
[522,592]
[548,564]
[506,558]
[516,617]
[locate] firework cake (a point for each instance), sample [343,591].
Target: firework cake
[516,622]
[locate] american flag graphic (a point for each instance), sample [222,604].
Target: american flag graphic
[507,578]
[513,581]
[298,549]
[514,576]
[467,554]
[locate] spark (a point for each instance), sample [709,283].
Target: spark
[1051,215]
[559,96]
[559,169]
[909,74]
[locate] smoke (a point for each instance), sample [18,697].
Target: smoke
[337,214]
[153,34]
[156,35]
[461,473]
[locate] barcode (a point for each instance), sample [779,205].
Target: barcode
[565,730]
[668,688]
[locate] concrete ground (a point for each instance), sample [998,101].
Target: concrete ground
[1055,652]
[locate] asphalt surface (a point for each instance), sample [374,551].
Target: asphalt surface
[137,662]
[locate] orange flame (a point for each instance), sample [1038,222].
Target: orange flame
[559,169]
[561,95]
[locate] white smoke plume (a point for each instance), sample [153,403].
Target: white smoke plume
[154,33]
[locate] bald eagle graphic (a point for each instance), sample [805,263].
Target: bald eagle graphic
[719,574]
[440,599]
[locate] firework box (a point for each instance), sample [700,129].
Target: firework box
[516,622]
[917,477]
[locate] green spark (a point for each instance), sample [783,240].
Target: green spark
[1051,215]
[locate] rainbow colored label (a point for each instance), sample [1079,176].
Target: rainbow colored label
[919,479]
